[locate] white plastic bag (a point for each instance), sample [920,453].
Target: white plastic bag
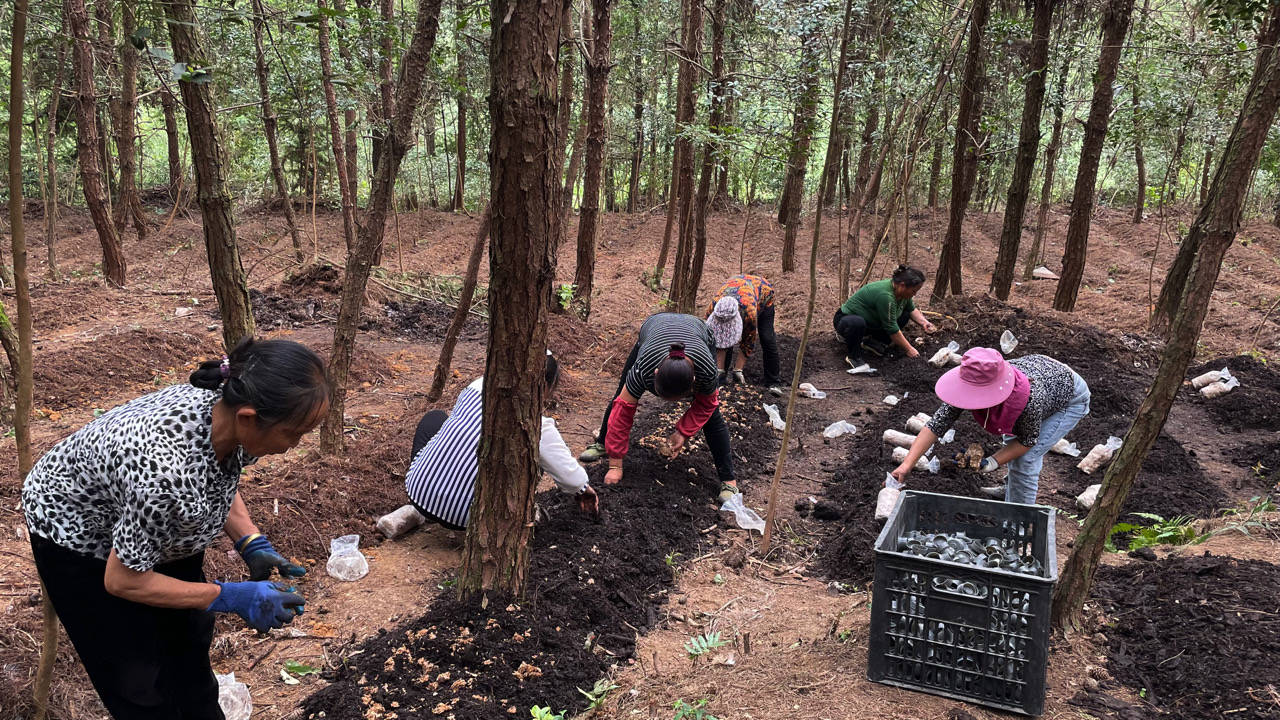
[395,524]
[1007,342]
[943,356]
[233,697]
[838,428]
[891,400]
[1062,447]
[1210,378]
[1100,455]
[1222,387]
[1044,273]
[863,369]
[346,562]
[947,437]
[887,498]
[809,390]
[1086,499]
[900,454]
[916,422]
[901,439]
[745,517]
[933,466]
[774,417]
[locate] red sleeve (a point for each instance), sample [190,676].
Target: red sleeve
[703,407]
[618,439]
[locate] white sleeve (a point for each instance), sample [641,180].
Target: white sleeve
[555,458]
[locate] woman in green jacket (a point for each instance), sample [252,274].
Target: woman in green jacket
[873,317]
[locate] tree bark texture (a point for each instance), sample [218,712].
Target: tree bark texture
[460,79]
[525,185]
[564,115]
[18,244]
[857,197]
[686,105]
[88,143]
[335,131]
[1050,166]
[935,173]
[1212,233]
[130,205]
[209,159]
[413,70]
[596,66]
[269,129]
[1140,196]
[169,107]
[51,166]
[964,155]
[463,311]
[1115,24]
[831,165]
[801,138]
[637,113]
[1028,145]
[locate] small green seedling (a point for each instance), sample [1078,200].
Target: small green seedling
[696,711]
[564,294]
[300,668]
[544,713]
[1174,531]
[596,695]
[718,579]
[700,645]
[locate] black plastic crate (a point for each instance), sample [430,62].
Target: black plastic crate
[988,646]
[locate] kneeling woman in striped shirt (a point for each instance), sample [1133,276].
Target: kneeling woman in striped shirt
[441,481]
[674,357]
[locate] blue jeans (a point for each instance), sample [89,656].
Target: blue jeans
[1024,472]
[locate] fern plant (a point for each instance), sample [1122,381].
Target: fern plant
[1174,531]
[700,645]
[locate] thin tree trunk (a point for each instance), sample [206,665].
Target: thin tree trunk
[637,112]
[1205,169]
[690,53]
[104,21]
[169,107]
[209,159]
[525,186]
[1032,259]
[1212,233]
[964,157]
[51,164]
[335,132]
[1139,136]
[1115,25]
[935,173]
[130,205]
[269,128]
[801,137]
[460,80]
[413,70]
[88,144]
[1028,145]
[831,164]
[463,311]
[564,113]
[386,92]
[596,66]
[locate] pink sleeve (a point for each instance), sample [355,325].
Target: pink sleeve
[618,439]
[703,407]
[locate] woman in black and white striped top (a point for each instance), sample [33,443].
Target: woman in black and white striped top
[673,358]
[441,481]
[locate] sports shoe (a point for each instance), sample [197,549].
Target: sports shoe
[854,360]
[727,491]
[739,378]
[594,452]
[995,491]
[777,391]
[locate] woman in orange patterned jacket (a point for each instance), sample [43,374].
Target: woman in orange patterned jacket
[742,309]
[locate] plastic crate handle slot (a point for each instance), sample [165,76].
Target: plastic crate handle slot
[963,589]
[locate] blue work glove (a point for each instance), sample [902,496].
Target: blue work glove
[261,558]
[263,605]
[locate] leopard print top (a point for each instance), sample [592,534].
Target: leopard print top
[142,479]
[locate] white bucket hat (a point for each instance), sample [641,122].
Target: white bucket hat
[725,323]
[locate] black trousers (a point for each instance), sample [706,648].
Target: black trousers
[853,328]
[768,344]
[716,431]
[428,426]
[146,663]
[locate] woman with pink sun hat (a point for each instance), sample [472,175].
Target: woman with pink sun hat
[1032,402]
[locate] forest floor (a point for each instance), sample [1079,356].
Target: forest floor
[669,566]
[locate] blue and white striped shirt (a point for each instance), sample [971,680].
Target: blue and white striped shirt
[442,477]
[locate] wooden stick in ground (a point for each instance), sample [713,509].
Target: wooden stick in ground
[464,306]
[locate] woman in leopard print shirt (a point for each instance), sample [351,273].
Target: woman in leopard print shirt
[121,512]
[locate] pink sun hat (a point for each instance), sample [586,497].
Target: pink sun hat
[983,380]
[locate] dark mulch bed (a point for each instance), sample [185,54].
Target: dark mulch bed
[1255,405]
[591,587]
[1196,635]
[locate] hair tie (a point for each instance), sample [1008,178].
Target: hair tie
[225,368]
[677,354]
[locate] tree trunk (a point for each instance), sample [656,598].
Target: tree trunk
[610,177]
[335,132]
[459,188]
[104,21]
[525,185]
[130,206]
[413,70]
[637,113]
[964,156]
[350,146]
[1028,145]
[18,241]
[1115,24]
[1140,200]
[673,185]
[169,107]
[88,144]
[463,311]
[831,163]
[1205,169]
[596,66]
[51,164]
[210,162]
[269,128]
[564,115]
[386,110]
[801,137]
[1212,233]
[686,106]
[935,173]
[857,197]
[1032,259]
